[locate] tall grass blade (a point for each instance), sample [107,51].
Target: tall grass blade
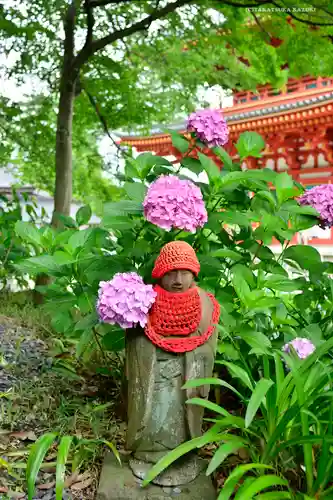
[257,398]
[222,453]
[209,436]
[198,382]
[248,491]
[63,451]
[35,459]
[234,478]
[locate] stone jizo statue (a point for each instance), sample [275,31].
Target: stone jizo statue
[178,344]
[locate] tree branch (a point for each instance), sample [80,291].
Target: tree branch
[91,48]
[259,24]
[103,121]
[299,19]
[244,5]
[90,22]
[69,25]
[69,42]
[103,3]
[87,51]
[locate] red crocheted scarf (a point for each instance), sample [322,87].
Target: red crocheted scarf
[175,316]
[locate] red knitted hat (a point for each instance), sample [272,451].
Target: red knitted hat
[176,255]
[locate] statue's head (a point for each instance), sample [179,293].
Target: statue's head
[176,267]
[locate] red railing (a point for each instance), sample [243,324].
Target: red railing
[293,86]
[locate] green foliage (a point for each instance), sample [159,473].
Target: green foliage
[65,443]
[250,144]
[287,422]
[285,418]
[15,243]
[146,76]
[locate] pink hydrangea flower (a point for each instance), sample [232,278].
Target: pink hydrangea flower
[173,202]
[209,126]
[303,347]
[320,198]
[125,300]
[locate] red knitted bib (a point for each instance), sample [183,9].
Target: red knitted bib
[178,314]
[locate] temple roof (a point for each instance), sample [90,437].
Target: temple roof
[299,95]
[281,107]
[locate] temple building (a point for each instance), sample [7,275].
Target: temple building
[297,125]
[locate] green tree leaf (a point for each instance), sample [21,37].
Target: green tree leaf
[285,187]
[255,339]
[88,321]
[83,215]
[192,164]
[227,254]
[114,340]
[236,218]
[278,282]
[131,170]
[225,157]
[122,208]
[41,264]
[240,284]
[307,257]
[179,142]
[66,220]
[85,341]
[268,196]
[135,191]
[250,144]
[29,233]
[61,321]
[210,167]
[80,238]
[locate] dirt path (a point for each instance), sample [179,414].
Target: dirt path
[31,395]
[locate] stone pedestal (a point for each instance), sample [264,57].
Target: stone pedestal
[118,483]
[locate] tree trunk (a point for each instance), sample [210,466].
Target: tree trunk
[63,155]
[63,185]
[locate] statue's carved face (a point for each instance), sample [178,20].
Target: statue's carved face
[177,281]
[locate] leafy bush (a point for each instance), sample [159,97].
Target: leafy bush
[286,427]
[12,247]
[262,305]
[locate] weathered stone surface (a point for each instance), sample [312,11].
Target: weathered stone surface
[118,483]
[183,471]
[158,418]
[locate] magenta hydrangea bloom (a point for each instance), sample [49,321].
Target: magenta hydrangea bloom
[209,126]
[175,203]
[303,347]
[125,300]
[320,198]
